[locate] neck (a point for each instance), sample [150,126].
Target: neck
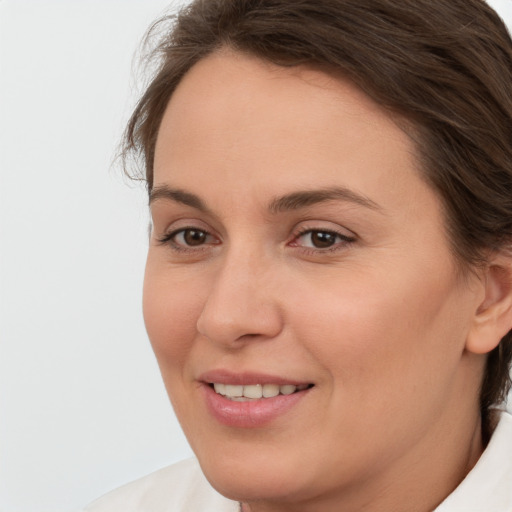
[417,482]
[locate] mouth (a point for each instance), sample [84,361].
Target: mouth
[248,393]
[252,399]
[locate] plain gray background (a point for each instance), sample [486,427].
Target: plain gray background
[82,407]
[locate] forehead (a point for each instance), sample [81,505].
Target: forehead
[249,123]
[235,90]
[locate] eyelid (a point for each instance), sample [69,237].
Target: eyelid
[331,231]
[347,237]
[170,235]
[167,237]
[344,236]
[307,226]
[167,226]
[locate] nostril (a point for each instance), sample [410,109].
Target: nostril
[248,336]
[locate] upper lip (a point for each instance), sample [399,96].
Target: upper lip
[222,376]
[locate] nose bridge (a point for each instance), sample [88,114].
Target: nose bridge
[241,303]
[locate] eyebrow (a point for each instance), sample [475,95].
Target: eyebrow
[288,202]
[178,196]
[303,199]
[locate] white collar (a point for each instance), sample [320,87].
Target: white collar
[488,486]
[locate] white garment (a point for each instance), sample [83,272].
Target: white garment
[488,486]
[177,488]
[183,488]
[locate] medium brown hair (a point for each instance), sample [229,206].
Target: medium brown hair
[445,66]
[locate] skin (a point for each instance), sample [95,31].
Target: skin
[380,325]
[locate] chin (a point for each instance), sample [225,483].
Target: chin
[252,486]
[262,476]
[263,473]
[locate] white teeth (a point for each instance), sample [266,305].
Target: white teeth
[220,388]
[287,389]
[255,391]
[233,391]
[270,390]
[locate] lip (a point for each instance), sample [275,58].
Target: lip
[246,378]
[250,414]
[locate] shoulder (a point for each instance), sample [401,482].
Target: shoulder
[176,488]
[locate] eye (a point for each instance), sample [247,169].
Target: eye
[319,239]
[191,237]
[188,238]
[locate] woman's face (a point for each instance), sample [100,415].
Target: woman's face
[295,249]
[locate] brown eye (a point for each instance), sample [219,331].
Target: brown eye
[194,237]
[189,238]
[323,239]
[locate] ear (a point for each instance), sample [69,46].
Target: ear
[493,318]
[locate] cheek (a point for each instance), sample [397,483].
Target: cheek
[171,307]
[374,333]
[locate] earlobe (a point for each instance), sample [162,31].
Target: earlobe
[493,318]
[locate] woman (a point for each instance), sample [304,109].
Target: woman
[328,289]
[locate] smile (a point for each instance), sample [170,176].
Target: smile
[251,400]
[247,393]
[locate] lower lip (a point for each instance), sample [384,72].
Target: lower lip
[250,414]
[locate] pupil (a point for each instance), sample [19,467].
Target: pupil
[322,239]
[194,237]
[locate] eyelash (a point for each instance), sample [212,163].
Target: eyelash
[345,240]
[169,239]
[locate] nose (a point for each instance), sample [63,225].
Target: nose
[242,303]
